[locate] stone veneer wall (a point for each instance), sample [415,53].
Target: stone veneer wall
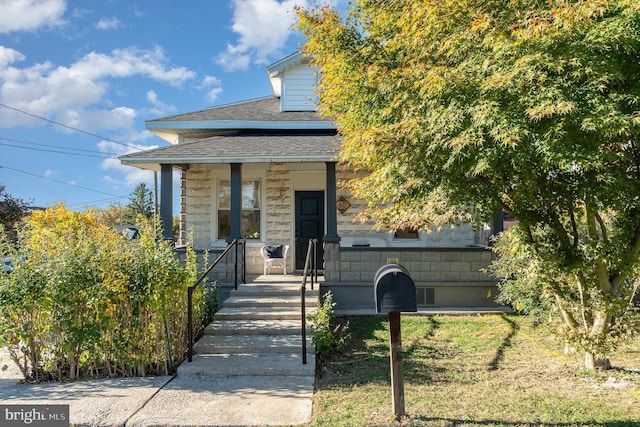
[352,230]
[342,262]
[198,194]
[424,264]
[455,274]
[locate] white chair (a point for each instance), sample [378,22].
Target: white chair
[273,260]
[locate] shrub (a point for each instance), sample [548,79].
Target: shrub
[326,336]
[83,301]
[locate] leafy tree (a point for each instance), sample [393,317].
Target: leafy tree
[83,301]
[460,107]
[140,203]
[12,210]
[114,214]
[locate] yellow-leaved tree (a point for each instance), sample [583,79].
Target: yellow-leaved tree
[458,108]
[81,300]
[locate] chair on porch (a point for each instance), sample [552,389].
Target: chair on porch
[274,256]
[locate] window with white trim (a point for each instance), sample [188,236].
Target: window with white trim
[251,208]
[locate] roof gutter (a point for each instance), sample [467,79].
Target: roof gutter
[225,160]
[241,124]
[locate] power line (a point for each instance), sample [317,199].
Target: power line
[101,156]
[56,146]
[67,126]
[62,182]
[95,202]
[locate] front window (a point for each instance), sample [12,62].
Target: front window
[407,233]
[251,191]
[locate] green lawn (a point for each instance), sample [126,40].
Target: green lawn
[474,371]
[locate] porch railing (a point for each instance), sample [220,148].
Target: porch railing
[233,245]
[310,269]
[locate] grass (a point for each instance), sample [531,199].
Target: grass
[473,371]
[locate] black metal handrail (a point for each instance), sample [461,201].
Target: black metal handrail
[191,288]
[310,268]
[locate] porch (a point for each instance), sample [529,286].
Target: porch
[447,279]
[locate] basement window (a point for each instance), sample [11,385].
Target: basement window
[425,296]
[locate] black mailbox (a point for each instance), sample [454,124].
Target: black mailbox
[394,290]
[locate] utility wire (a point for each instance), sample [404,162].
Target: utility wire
[68,127]
[103,156]
[95,202]
[62,182]
[56,146]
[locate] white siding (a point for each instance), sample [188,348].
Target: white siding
[299,89]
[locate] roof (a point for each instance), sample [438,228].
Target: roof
[243,148]
[278,66]
[262,113]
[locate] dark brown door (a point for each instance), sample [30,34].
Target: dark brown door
[309,224]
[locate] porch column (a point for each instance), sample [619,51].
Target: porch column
[497,225]
[331,242]
[332,210]
[236,202]
[166,200]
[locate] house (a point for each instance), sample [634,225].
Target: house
[267,170]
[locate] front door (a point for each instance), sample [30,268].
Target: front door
[309,224]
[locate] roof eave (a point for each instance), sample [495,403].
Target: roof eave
[277,67]
[224,160]
[242,124]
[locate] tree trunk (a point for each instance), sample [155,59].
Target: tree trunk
[594,362]
[72,368]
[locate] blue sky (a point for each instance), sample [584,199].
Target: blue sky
[79,78]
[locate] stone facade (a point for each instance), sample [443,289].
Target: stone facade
[453,277]
[444,260]
[198,222]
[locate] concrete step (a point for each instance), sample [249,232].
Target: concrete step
[248,364]
[260,313]
[254,327]
[242,344]
[268,301]
[272,290]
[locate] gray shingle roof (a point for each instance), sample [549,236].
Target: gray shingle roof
[262,109]
[243,148]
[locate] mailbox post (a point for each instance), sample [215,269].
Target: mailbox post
[395,292]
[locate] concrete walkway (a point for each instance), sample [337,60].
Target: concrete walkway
[247,371]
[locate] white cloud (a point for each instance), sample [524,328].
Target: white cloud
[50,173]
[213,86]
[161,108]
[75,94]
[108,24]
[9,56]
[119,149]
[213,94]
[132,175]
[263,27]
[30,15]
[115,118]
[81,13]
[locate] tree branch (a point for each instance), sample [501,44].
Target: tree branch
[574,228]
[602,225]
[560,300]
[584,299]
[600,267]
[633,249]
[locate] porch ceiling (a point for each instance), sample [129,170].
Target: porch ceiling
[242,148]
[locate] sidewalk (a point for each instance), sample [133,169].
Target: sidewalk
[162,401]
